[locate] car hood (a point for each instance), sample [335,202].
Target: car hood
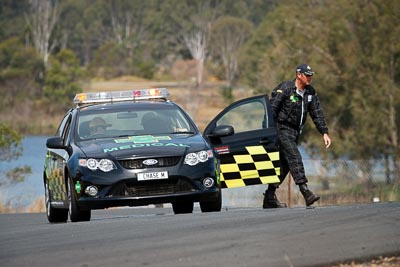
[143,146]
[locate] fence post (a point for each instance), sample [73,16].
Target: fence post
[289,190]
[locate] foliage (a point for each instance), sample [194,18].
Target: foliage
[112,61]
[11,21]
[349,43]
[351,84]
[11,149]
[17,174]
[228,36]
[20,73]
[61,82]
[41,19]
[10,143]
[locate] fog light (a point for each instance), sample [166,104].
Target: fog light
[208,182]
[91,190]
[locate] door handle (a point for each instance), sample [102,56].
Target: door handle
[265,142]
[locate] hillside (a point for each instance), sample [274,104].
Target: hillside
[33,118]
[202,104]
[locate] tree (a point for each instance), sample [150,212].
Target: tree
[357,61]
[193,20]
[41,21]
[83,27]
[129,23]
[62,80]
[12,22]
[10,148]
[20,73]
[228,36]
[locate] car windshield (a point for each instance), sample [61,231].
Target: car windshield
[104,123]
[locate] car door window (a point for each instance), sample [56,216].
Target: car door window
[245,117]
[61,127]
[66,132]
[249,153]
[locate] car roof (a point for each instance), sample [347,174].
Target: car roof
[130,105]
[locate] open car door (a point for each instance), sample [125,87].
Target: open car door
[244,137]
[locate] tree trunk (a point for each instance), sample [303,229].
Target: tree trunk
[196,42]
[42,20]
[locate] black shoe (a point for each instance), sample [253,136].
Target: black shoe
[271,202]
[309,196]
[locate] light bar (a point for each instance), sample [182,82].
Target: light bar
[117,96]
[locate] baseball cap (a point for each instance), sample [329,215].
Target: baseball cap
[306,69]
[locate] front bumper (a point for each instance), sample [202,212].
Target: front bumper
[122,188]
[120,201]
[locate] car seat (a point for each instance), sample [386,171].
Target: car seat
[84,130]
[153,124]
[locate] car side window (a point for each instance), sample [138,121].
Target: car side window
[245,117]
[61,127]
[66,132]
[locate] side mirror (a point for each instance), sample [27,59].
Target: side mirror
[55,143]
[221,131]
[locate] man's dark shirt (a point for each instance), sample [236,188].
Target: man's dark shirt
[290,108]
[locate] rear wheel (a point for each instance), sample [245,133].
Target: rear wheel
[182,207]
[211,206]
[54,215]
[75,213]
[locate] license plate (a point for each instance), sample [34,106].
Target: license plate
[145,176]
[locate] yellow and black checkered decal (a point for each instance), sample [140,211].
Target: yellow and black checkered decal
[57,186]
[256,166]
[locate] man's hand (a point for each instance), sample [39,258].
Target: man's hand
[327,140]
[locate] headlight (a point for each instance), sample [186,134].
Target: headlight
[197,157]
[191,159]
[92,164]
[104,165]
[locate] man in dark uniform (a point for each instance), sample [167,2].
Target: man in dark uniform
[291,101]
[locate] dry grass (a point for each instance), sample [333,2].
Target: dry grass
[380,262]
[35,207]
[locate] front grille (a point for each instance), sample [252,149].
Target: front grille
[151,188]
[138,163]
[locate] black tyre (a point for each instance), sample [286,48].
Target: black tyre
[212,206]
[54,215]
[75,213]
[182,207]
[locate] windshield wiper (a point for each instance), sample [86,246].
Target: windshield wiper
[183,133]
[125,135]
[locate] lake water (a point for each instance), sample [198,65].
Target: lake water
[24,193]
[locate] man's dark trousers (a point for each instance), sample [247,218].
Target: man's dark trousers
[290,157]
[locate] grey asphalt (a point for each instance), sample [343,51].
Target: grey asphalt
[233,237]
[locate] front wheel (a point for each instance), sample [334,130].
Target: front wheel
[182,207]
[212,206]
[54,215]
[75,213]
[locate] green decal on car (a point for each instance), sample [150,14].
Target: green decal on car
[107,150]
[78,187]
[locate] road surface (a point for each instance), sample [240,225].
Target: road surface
[234,237]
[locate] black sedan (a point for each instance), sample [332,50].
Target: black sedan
[134,148]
